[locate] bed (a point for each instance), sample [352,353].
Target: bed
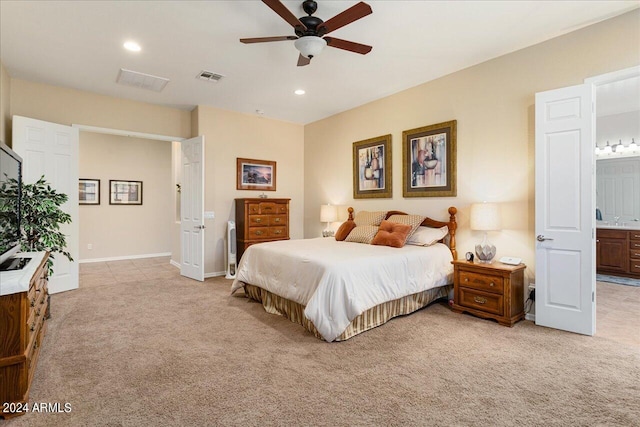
[338,289]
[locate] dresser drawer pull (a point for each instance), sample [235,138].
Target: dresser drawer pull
[466,279]
[259,233]
[267,208]
[480,300]
[257,220]
[636,236]
[277,220]
[637,245]
[492,284]
[277,232]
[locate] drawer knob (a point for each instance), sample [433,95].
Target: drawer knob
[480,300]
[466,279]
[259,232]
[277,232]
[258,220]
[491,284]
[277,220]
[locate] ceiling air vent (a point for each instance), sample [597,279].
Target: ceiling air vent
[141,80]
[209,76]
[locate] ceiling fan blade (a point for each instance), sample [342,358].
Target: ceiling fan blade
[362,49]
[303,60]
[354,13]
[268,39]
[284,13]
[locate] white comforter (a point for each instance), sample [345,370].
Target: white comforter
[337,281]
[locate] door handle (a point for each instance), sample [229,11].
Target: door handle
[199,227]
[541,238]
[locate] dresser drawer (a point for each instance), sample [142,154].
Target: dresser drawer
[258,220]
[634,245]
[484,301]
[634,235]
[482,282]
[254,208]
[268,208]
[634,266]
[258,232]
[278,232]
[278,220]
[634,253]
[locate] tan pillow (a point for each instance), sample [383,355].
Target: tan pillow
[369,218]
[345,229]
[413,220]
[362,234]
[426,236]
[391,234]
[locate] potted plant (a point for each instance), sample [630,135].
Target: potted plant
[40,217]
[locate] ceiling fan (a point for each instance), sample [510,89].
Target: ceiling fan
[310,30]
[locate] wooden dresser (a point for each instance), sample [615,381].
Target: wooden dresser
[260,220]
[618,252]
[22,327]
[493,291]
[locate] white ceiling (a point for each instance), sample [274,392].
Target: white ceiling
[78,44]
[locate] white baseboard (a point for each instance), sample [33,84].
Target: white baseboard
[176,264]
[121,258]
[530,316]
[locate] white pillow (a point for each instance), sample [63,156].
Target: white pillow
[427,236]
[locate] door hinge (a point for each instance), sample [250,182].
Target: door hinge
[593,296]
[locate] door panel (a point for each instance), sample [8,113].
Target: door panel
[51,150]
[565,207]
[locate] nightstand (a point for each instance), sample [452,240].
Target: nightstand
[492,291]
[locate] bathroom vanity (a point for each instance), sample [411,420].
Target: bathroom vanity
[618,250]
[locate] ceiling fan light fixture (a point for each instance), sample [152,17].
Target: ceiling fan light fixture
[310,46]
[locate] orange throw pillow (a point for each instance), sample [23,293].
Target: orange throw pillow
[344,230]
[392,234]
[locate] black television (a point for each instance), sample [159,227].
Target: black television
[10,201]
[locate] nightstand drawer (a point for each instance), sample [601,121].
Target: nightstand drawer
[482,282]
[487,302]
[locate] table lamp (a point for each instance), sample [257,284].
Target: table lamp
[328,214]
[485,217]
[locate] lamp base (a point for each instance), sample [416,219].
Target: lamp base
[485,253]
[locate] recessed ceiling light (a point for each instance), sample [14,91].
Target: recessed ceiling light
[132,46]
[299,92]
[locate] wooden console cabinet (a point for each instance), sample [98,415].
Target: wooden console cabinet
[618,252]
[22,328]
[492,291]
[260,220]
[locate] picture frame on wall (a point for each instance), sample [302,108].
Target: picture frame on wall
[372,176]
[429,161]
[125,192]
[88,191]
[255,174]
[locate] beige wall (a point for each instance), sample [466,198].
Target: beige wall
[118,231]
[493,103]
[5,105]
[229,135]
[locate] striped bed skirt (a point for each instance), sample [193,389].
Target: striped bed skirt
[370,319]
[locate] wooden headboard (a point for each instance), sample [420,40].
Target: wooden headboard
[428,222]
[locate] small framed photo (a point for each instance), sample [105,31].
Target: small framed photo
[125,192]
[429,161]
[89,191]
[256,174]
[372,168]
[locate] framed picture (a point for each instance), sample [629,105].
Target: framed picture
[429,161]
[372,168]
[125,192]
[256,175]
[89,191]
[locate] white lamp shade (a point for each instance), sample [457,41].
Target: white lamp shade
[485,216]
[328,213]
[310,46]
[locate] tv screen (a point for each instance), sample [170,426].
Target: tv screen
[10,186]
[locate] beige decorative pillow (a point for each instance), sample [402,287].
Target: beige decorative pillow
[369,218]
[426,236]
[362,234]
[413,220]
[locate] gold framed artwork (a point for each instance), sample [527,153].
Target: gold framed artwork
[372,168]
[255,174]
[429,161]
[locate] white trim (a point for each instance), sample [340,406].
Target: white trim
[215,274]
[108,131]
[121,258]
[176,264]
[614,76]
[530,316]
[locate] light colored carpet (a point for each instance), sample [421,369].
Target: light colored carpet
[170,351]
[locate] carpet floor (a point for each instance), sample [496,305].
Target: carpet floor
[628,281]
[151,348]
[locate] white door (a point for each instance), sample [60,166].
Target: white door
[51,150]
[565,209]
[192,208]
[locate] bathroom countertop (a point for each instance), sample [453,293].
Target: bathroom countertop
[628,226]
